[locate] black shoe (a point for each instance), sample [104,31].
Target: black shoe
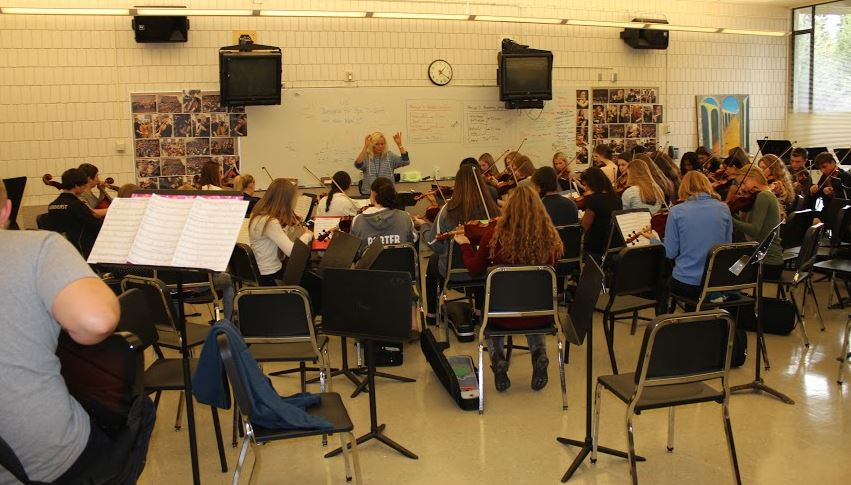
[539,370]
[500,375]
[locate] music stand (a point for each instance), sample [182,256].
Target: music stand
[370,305]
[813,152]
[758,384]
[842,156]
[581,327]
[774,147]
[15,193]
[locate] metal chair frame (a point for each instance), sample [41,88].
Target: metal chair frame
[555,329]
[643,383]
[448,284]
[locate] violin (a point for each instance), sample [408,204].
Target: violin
[344,225]
[474,230]
[659,220]
[434,208]
[620,184]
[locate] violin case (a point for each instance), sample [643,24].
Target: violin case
[459,378]
[459,317]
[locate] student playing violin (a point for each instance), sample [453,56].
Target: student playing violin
[562,210]
[69,215]
[779,181]
[274,226]
[87,196]
[245,183]
[525,236]
[758,222]
[560,164]
[642,191]
[600,202]
[603,160]
[464,206]
[381,220]
[489,170]
[336,204]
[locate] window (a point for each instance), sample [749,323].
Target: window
[821,58]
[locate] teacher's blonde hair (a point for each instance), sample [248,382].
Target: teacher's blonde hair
[373,139]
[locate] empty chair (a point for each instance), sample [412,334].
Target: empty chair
[331,409]
[243,266]
[679,355]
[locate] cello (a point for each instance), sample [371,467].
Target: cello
[108,183]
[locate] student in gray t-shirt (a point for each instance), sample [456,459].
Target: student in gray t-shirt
[45,286]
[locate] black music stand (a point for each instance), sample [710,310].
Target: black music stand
[842,155]
[15,193]
[582,325]
[775,147]
[758,385]
[372,305]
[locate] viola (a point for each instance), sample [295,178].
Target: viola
[108,183]
[741,203]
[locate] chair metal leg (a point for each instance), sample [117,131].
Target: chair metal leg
[239,462]
[595,436]
[634,325]
[353,443]
[302,374]
[671,429]
[731,446]
[799,313]
[509,344]
[219,442]
[815,300]
[630,439]
[561,376]
[832,289]
[481,378]
[257,460]
[179,417]
[157,399]
[843,356]
[345,447]
[610,341]
[234,441]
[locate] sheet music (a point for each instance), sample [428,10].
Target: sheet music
[323,224]
[243,237]
[632,223]
[303,206]
[210,233]
[160,230]
[118,231]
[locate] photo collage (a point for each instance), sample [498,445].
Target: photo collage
[174,134]
[619,117]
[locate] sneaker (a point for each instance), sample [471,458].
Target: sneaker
[539,370]
[500,375]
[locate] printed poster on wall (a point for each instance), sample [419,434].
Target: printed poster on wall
[175,133]
[619,117]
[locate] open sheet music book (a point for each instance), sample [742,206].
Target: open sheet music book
[631,224]
[303,207]
[184,232]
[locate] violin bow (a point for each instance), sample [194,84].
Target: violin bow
[844,157]
[516,152]
[481,194]
[493,164]
[342,192]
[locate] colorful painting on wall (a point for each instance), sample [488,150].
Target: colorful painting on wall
[723,122]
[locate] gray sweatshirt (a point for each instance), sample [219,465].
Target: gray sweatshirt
[393,226]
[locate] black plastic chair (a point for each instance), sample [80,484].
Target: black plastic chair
[458,279]
[402,257]
[635,270]
[803,275]
[793,231]
[570,263]
[243,266]
[520,291]
[830,260]
[139,307]
[717,278]
[331,408]
[679,355]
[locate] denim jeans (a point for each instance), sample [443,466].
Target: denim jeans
[496,350]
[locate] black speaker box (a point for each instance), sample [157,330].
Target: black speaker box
[645,38]
[161,29]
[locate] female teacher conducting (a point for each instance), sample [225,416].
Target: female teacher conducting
[376,161]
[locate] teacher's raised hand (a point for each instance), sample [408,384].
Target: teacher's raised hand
[398,139]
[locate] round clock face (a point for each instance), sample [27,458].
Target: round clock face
[440,72]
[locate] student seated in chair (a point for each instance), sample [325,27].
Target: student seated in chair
[524,235]
[71,216]
[45,287]
[381,220]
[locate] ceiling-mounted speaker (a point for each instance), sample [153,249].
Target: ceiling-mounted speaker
[161,29]
[646,38]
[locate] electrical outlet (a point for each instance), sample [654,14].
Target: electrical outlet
[120,146]
[614,77]
[350,77]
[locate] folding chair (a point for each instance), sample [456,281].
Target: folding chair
[458,279]
[331,408]
[570,263]
[635,270]
[520,291]
[679,355]
[243,266]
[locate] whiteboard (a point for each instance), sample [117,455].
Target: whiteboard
[324,129]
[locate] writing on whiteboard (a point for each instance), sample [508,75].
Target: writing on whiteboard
[485,123]
[433,121]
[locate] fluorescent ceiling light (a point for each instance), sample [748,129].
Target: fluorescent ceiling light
[683,28]
[200,12]
[64,11]
[310,13]
[521,20]
[420,16]
[754,32]
[603,23]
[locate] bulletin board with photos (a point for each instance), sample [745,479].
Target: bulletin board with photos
[619,117]
[176,133]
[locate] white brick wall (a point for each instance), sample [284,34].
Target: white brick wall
[65,81]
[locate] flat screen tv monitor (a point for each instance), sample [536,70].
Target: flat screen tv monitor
[248,78]
[525,76]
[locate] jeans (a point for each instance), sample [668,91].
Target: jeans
[497,352]
[101,447]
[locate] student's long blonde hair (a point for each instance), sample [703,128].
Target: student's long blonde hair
[525,234]
[277,203]
[694,182]
[638,174]
[777,171]
[242,181]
